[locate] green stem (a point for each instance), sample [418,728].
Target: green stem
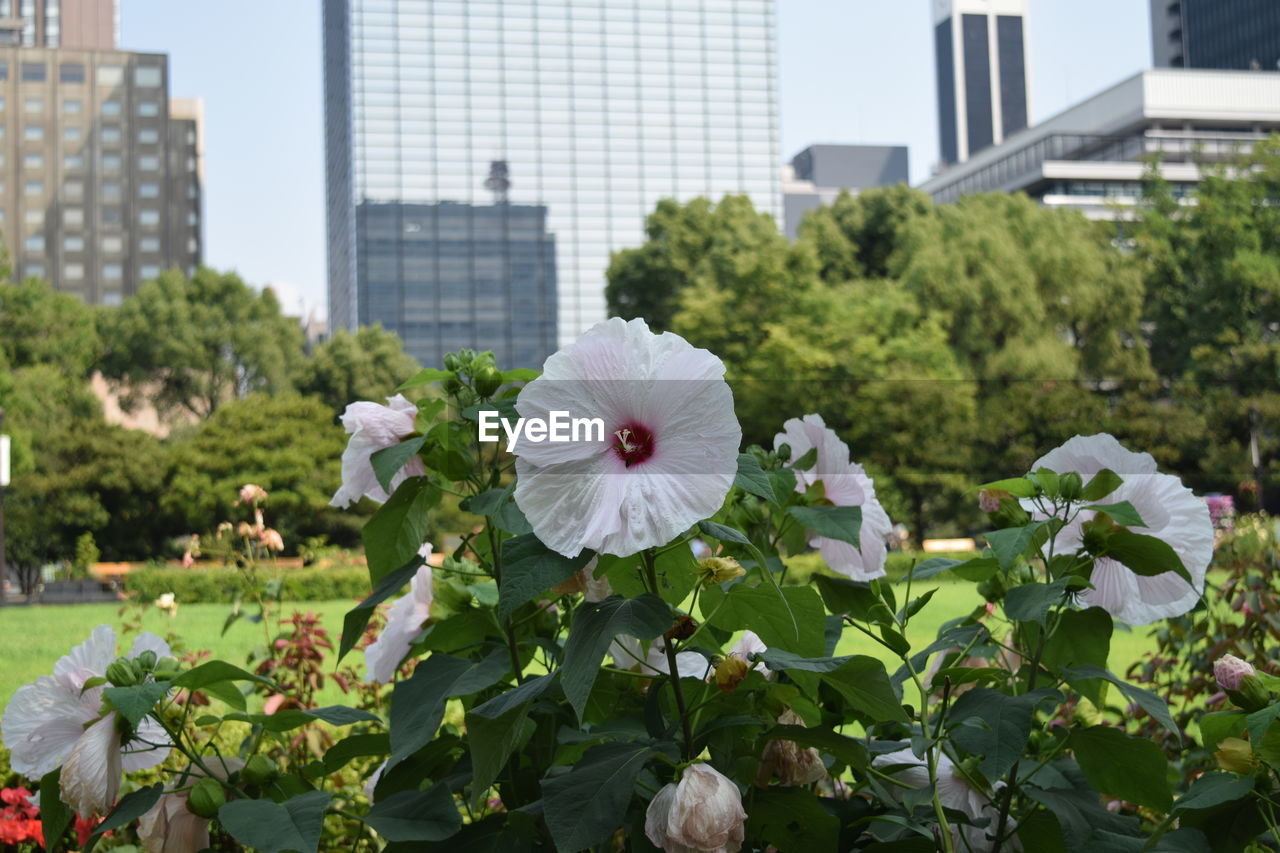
[673,672]
[495,548]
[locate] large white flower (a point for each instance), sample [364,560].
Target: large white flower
[844,483]
[954,791]
[651,658]
[54,722]
[1171,513]
[667,456]
[374,427]
[701,814]
[404,622]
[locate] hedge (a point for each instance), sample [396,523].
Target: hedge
[219,585]
[802,567]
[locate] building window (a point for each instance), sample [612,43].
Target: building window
[148,109]
[33,161]
[73,106]
[75,272]
[112,298]
[110,75]
[73,190]
[111,135]
[34,243]
[149,189]
[33,105]
[34,217]
[73,243]
[110,108]
[146,75]
[71,72]
[4,70]
[193,245]
[148,136]
[148,272]
[111,162]
[191,164]
[110,190]
[112,244]
[72,162]
[149,244]
[148,162]
[112,272]
[73,217]
[1,103]
[72,133]
[33,72]
[33,188]
[33,132]
[35,270]
[192,218]
[112,214]
[149,218]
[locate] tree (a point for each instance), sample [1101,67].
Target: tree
[285,443]
[194,344]
[38,325]
[857,236]
[367,365]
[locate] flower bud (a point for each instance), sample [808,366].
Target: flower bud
[702,812]
[452,385]
[1230,670]
[147,660]
[206,797]
[717,570]
[730,672]
[1235,755]
[121,674]
[451,361]
[488,380]
[1070,485]
[259,770]
[784,452]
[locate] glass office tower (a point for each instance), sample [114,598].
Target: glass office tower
[502,117]
[1241,35]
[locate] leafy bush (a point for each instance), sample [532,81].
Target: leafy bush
[220,585]
[802,568]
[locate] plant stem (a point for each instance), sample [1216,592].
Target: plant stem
[673,672]
[513,650]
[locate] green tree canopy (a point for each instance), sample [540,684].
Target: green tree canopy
[367,365]
[858,236]
[38,325]
[193,344]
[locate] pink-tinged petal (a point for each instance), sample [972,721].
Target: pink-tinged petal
[574,503]
[706,813]
[1089,454]
[374,427]
[657,815]
[90,777]
[169,827]
[89,659]
[149,747]
[42,723]
[148,642]
[404,623]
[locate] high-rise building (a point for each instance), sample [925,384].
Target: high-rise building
[597,109]
[1226,34]
[100,177]
[980,56]
[819,173]
[81,24]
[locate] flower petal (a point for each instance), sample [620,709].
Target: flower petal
[89,659]
[148,642]
[404,623]
[90,778]
[42,723]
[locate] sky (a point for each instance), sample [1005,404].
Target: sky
[851,71]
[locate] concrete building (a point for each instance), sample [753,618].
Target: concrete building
[1238,35]
[818,174]
[597,109]
[100,180]
[980,57]
[80,24]
[1092,157]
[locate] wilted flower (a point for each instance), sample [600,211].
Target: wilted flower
[989,499]
[271,539]
[793,764]
[404,623]
[701,813]
[584,581]
[730,672]
[56,722]
[750,644]
[1230,670]
[668,455]
[1170,512]
[252,495]
[374,427]
[844,483]
[170,826]
[717,570]
[954,791]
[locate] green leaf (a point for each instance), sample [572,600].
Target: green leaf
[595,624]
[426,376]
[1083,637]
[1121,512]
[388,461]
[357,618]
[995,726]
[416,815]
[530,568]
[847,597]
[397,530]
[504,702]
[134,703]
[842,523]
[724,534]
[864,684]
[1010,544]
[418,703]
[797,625]
[1148,701]
[55,815]
[1133,769]
[752,478]
[506,409]
[1102,484]
[355,746]
[213,672]
[293,718]
[294,825]
[791,819]
[1031,602]
[1145,555]
[585,806]
[779,659]
[1019,487]
[131,807]
[493,739]
[1212,790]
[499,506]
[520,374]
[1219,725]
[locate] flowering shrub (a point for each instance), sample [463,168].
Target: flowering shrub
[612,661]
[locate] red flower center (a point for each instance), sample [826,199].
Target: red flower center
[633,442]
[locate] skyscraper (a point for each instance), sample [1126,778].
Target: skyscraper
[1227,34]
[83,24]
[981,62]
[596,109]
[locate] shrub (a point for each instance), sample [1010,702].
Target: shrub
[220,584]
[801,568]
